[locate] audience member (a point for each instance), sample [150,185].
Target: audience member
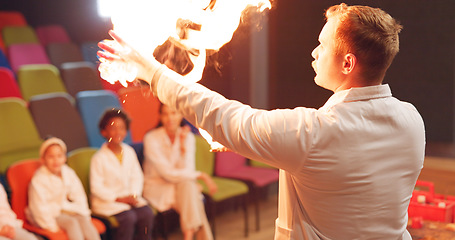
[170,174]
[116,181]
[57,200]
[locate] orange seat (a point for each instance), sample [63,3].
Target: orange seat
[143,109]
[19,176]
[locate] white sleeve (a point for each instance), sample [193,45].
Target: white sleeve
[280,138]
[77,202]
[7,216]
[39,207]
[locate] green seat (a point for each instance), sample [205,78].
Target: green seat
[36,79]
[227,188]
[79,160]
[19,137]
[19,34]
[260,164]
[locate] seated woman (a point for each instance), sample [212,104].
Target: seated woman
[116,181]
[56,197]
[170,175]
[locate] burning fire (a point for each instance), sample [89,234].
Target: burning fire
[175,32]
[190,26]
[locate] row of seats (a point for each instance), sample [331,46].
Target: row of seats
[15,30]
[55,114]
[65,97]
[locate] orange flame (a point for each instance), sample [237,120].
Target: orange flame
[195,25]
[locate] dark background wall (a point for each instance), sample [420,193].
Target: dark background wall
[423,73]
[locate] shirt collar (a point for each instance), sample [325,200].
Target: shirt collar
[359,94]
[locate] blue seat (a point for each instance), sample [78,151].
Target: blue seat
[91,106]
[4,62]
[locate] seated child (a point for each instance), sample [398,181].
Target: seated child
[57,200]
[116,181]
[10,226]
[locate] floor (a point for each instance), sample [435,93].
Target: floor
[439,168]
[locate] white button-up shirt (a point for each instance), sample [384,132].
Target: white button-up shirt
[347,170]
[50,194]
[164,166]
[110,179]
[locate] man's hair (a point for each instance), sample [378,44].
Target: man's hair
[112,113]
[369,33]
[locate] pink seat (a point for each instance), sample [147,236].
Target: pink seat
[52,34]
[233,165]
[8,84]
[26,53]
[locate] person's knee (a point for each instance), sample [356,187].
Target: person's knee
[68,222]
[127,219]
[146,215]
[187,186]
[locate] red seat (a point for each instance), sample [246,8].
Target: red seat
[52,34]
[8,84]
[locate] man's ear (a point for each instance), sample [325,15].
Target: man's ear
[349,63]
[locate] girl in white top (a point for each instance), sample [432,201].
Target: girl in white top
[10,226]
[57,200]
[116,181]
[170,174]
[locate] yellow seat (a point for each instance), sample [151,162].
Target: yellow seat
[36,79]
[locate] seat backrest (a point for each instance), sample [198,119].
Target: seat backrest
[4,62]
[19,176]
[79,161]
[227,162]
[8,84]
[80,76]
[89,50]
[11,18]
[91,106]
[36,79]
[205,160]
[55,114]
[19,34]
[26,53]
[60,53]
[53,33]
[20,138]
[143,109]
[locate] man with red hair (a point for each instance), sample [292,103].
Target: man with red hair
[347,169]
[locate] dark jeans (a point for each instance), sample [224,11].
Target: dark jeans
[136,223]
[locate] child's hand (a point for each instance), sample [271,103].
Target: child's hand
[8,232]
[130,200]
